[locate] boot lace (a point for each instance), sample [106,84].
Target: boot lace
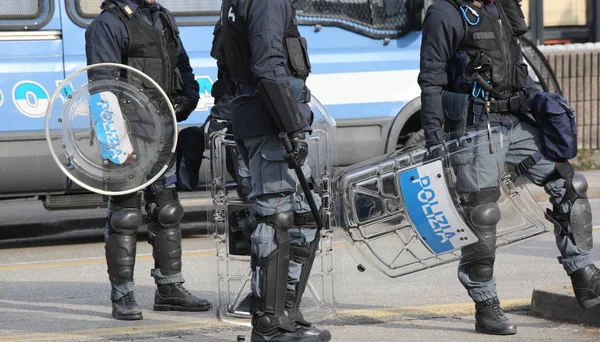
[180,287]
[494,310]
[129,299]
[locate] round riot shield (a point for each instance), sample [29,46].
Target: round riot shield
[111,129]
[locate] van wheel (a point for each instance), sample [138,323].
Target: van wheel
[415,138]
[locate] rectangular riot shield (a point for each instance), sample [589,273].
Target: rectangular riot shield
[402,212]
[233,220]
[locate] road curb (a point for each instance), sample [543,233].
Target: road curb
[561,305]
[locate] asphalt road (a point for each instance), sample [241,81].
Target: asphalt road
[57,289]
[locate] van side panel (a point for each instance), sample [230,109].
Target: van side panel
[31,64]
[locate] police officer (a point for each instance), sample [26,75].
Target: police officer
[268,62]
[193,140]
[144,35]
[466,44]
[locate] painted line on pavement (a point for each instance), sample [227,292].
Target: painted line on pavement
[412,312]
[143,257]
[117,331]
[91,261]
[431,310]
[102,260]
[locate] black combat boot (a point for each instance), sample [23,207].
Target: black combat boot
[301,325]
[489,319]
[586,285]
[126,308]
[175,297]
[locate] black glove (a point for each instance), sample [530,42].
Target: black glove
[299,150]
[434,152]
[184,106]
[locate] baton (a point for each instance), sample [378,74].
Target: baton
[488,87]
[287,144]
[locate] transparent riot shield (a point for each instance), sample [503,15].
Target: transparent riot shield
[402,212]
[111,129]
[233,221]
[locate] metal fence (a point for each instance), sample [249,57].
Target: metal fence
[577,69]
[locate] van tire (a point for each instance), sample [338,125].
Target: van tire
[415,138]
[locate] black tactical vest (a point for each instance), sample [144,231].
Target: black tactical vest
[491,48]
[149,50]
[237,50]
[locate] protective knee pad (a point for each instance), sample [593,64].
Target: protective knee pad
[478,259]
[125,214]
[168,211]
[125,221]
[486,216]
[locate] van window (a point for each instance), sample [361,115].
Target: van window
[25,14]
[187,12]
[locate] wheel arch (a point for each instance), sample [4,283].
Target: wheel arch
[404,115]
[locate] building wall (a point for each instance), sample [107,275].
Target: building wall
[561,12]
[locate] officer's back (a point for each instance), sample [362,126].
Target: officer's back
[250,25]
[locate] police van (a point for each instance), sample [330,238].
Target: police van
[364,56]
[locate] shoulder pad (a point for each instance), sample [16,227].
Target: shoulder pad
[171,19]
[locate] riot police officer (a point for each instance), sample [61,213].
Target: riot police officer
[470,51]
[268,62]
[193,140]
[144,35]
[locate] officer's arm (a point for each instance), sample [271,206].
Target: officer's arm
[191,89]
[441,37]
[104,43]
[267,21]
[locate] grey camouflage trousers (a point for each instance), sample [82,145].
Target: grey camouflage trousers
[477,168]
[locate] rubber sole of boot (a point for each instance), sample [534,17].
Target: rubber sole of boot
[169,307]
[590,303]
[257,338]
[501,332]
[128,317]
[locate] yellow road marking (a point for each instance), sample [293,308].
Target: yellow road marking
[94,261]
[117,331]
[431,310]
[97,261]
[414,312]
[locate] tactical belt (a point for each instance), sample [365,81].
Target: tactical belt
[162,184]
[271,219]
[248,89]
[305,219]
[511,104]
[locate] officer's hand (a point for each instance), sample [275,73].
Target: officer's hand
[434,152]
[184,106]
[299,150]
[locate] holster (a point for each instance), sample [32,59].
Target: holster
[456,108]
